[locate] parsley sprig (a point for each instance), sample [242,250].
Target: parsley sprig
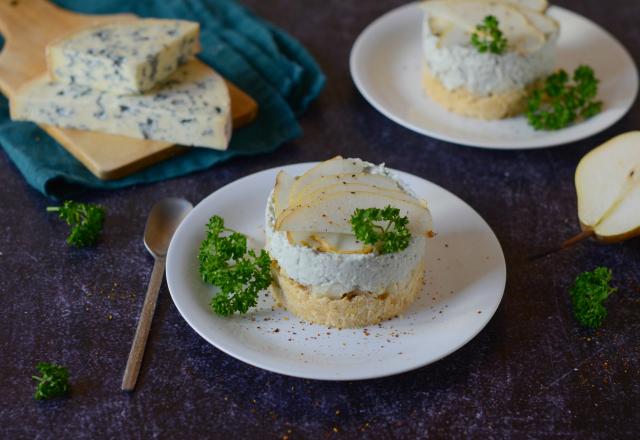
[85,219]
[488,37]
[391,237]
[558,103]
[588,293]
[226,263]
[52,382]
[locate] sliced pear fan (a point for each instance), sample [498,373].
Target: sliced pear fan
[332,213]
[608,188]
[315,209]
[465,15]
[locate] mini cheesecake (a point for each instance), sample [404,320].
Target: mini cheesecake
[486,85]
[322,272]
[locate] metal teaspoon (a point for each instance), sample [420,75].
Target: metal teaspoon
[164,218]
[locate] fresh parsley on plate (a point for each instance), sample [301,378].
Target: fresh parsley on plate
[560,102]
[226,263]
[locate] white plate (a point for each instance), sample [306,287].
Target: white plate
[386,66]
[466,278]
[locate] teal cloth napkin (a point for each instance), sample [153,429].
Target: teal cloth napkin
[260,58]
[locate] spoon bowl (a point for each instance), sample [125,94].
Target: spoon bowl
[164,218]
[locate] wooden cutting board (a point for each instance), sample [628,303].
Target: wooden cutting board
[27,26]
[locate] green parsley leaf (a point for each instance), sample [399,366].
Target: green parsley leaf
[392,237]
[488,37]
[588,293]
[85,219]
[559,103]
[238,273]
[52,382]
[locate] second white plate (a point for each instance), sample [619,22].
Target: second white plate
[465,280]
[386,66]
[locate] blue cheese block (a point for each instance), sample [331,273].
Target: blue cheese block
[123,57]
[191,108]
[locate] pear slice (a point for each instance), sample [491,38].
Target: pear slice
[303,238]
[439,26]
[341,244]
[454,36]
[359,187]
[374,180]
[545,24]
[336,165]
[534,5]
[608,187]
[332,213]
[281,191]
[330,242]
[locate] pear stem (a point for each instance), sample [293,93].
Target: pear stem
[565,244]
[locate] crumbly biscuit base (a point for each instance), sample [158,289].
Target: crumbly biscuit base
[354,309]
[466,103]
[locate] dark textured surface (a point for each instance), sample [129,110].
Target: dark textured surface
[531,373]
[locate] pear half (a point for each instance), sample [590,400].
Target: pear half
[608,187]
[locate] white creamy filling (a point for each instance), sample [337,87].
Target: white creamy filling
[485,73]
[332,275]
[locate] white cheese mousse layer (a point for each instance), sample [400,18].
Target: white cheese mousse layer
[332,275]
[484,74]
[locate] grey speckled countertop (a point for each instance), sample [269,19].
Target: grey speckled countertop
[531,373]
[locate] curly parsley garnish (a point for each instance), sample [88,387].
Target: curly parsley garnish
[387,238]
[488,37]
[588,292]
[85,219]
[52,382]
[238,273]
[559,103]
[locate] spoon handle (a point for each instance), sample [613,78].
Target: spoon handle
[144,324]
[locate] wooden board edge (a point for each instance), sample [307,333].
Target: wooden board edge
[60,135]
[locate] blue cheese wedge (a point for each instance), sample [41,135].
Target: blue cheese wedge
[191,108]
[123,57]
